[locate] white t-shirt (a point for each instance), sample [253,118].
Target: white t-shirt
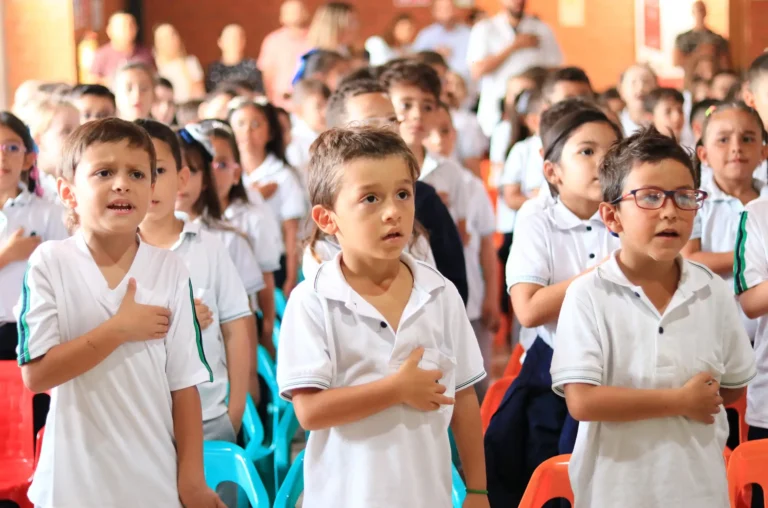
[446,176]
[716,224]
[379,52]
[297,153]
[524,167]
[552,245]
[471,141]
[627,124]
[500,139]
[610,334]
[112,426]
[332,337]
[480,223]
[750,270]
[38,217]
[181,72]
[288,200]
[490,37]
[262,230]
[216,282]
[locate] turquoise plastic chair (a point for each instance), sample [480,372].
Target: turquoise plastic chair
[276,333]
[286,429]
[280,303]
[268,370]
[227,462]
[291,490]
[253,433]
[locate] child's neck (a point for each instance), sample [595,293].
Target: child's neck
[581,208]
[224,202]
[742,190]
[640,268]
[163,233]
[7,194]
[252,158]
[636,115]
[112,249]
[375,271]
[231,59]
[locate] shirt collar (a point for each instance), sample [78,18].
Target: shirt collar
[566,219]
[716,194]
[431,162]
[190,230]
[270,166]
[24,198]
[693,276]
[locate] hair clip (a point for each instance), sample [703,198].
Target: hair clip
[523,100]
[261,100]
[302,66]
[710,110]
[212,123]
[193,133]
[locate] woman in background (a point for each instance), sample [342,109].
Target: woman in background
[174,64]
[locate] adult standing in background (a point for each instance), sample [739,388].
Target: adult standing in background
[233,66]
[281,51]
[121,49]
[700,40]
[174,64]
[446,36]
[503,46]
[334,27]
[396,42]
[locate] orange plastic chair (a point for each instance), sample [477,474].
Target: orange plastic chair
[514,365]
[493,398]
[549,481]
[17,455]
[740,406]
[747,466]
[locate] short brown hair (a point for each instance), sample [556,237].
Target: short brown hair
[336,112]
[415,74]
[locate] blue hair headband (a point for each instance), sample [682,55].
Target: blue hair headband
[303,66]
[193,134]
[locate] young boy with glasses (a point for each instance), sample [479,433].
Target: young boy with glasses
[650,345]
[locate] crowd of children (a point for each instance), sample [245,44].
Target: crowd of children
[143,241]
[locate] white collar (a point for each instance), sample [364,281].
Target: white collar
[24,198]
[270,166]
[715,193]
[189,230]
[566,219]
[431,163]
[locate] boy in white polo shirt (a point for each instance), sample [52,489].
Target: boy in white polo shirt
[650,346]
[107,322]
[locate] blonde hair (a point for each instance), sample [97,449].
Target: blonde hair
[39,114]
[328,25]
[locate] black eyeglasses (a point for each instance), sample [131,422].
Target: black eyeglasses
[654,199]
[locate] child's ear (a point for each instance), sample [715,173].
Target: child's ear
[324,220]
[66,193]
[748,96]
[701,153]
[29,159]
[610,216]
[550,173]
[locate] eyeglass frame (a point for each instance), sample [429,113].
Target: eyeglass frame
[667,195]
[20,152]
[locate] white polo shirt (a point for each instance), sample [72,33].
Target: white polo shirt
[216,282]
[332,337]
[288,200]
[627,124]
[262,230]
[297,153]
[500,139]
[471,141]
[751,269]
[480,223]
[490,37]
[38,217]
[112,425]
[610,334]
[716,224]
[524,167]
[552,245]
[446,176]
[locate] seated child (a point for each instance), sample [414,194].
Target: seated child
[664,110]
[649,345]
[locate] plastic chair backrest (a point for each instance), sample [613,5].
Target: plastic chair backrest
[747,466]
[280,303]
[226,462]
[286,429]
[253,432]
[513,365]
[549,481]
[493,398]
[740,406]
[268,370]
[17,440]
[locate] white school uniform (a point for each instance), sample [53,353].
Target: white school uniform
[610,334]
[480,223]
[628,125]
[446,176]
[552,245]
[327,249]
[471,141]
[113,425]
[262,230]
[242,255]
[38,217]
[297,152]
[50,187]
[288,201]
[216,282]
[524,167]
[716,224]
[502,135]
[750,270]
[332,337]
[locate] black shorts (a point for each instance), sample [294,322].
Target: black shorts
[9,339]
[503,254]
[282,273]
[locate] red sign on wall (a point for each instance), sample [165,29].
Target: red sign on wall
[652,23]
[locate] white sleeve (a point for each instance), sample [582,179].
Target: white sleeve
[304,360]
[550,51]
[500,137]
[292,204]
[477,48]
[264,230]
[37,313]
[578,357]
[514,167]
[231,296]
[529,258]
[244,258]
[697,227]
[738,354]
[750,264]
[185,363]
[194,68]
[469,360]
[485,217]
[472,140]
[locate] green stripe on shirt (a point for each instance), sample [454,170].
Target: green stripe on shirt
[198,334]
[22,325]
[739,265]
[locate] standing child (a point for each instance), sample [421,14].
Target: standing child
[649,345]
[164,106]
[378,355]
[262,154]
[107,323]
[664,110]
[25,221]
[553,246]
[134,91]
[310,98]
[94,102]
[634,84]
[732,146]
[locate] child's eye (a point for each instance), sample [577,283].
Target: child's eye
[370,199]
[138,175]
[103,173]
[403,194]
[722,140]
[749,139]
[588,152]
[161,171]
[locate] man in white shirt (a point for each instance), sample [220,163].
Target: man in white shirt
[446,36]
[504,46]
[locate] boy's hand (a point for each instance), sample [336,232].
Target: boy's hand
[492,314]
[200,497]
[700,398]
[445,198]
[19,247]
[419,388]
[476,501]
[204,314]
[523,41]
[137,322]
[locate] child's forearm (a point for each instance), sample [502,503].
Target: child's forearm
[323,409]
[71,359]
[290,231]
[188,432]
[489,262]
[238,350]
[754,301]
[513,197]
[535,305]
[468,433]
[617,404]
[253,354]
[719,262]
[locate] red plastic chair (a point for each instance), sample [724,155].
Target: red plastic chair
[549,481]
[514,365]
[747,466]
[493,398]
[740,406]
[17,456]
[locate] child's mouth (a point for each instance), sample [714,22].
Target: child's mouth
[392,236]
[668,233]
[121,207]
